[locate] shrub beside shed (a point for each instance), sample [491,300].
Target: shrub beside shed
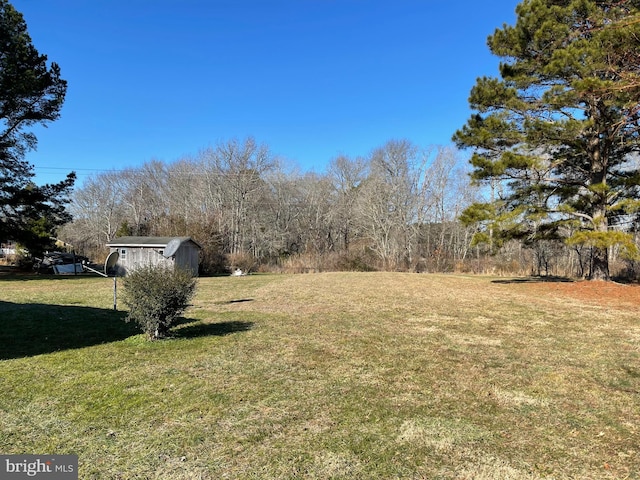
[174,252]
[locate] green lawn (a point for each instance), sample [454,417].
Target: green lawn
[325,376]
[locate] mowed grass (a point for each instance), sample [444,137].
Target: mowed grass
[324,376]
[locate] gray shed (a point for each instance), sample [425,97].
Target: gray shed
[183,252]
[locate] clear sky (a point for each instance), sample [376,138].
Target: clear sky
[312,79]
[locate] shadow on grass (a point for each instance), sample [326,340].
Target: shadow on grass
[231,302]
[34,329]
[534,280]
[212,329]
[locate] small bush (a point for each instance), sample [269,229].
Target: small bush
[156,296]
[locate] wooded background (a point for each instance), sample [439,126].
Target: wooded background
[396,209]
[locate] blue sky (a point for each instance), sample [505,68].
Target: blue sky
[312,79]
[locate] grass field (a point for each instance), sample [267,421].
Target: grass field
[327,376]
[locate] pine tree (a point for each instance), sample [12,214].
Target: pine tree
[559,130]
[31,92]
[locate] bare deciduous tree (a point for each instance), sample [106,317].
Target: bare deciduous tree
[399,204]
[346,176]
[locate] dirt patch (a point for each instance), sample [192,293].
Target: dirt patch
[590,292]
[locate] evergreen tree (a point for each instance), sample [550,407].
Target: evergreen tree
[558,131]
[30,93]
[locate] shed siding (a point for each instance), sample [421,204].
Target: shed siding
[187,257]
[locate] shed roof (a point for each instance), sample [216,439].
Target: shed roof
[157,242]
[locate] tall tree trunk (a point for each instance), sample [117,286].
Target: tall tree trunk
[599,264]
[598,149]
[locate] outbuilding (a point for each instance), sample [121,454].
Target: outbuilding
[174,252]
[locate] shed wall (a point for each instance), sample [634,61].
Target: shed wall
[186,257]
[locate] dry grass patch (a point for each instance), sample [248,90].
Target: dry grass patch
[346,375]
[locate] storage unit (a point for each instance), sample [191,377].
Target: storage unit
[175,252]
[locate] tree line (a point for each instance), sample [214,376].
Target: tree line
[395,209]
[400,208]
